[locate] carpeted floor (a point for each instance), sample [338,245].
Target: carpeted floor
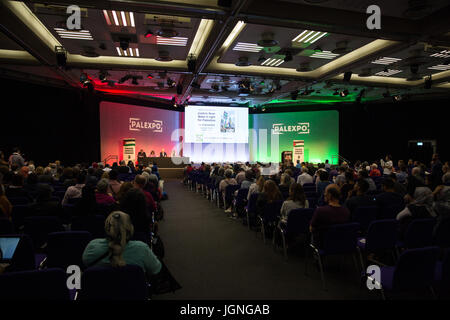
[215,257]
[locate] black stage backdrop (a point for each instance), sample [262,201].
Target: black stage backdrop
[51,123]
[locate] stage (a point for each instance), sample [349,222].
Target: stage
[168,167]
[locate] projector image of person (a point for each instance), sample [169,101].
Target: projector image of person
[227,122]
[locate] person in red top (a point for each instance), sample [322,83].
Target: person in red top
[140,182]
[332,213]
[374,172]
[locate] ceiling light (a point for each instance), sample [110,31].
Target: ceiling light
[233,34]
[248,47]
[132,52]
[121,19]
[336,92]
[308,36]
[148,34]
[108,21]
[74,34]
[271,62]
[170,82]
[442,54]
[124,20]
[388,73]
[132,19]
[116,21]
[343,93]
[386,60]
[397,97]
[324,55]
[440,67]
[175,41]
[149,76]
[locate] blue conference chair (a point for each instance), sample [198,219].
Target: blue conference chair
[39,227]
[419,234]
[251,209]
[109,283]
[381,237]
[415,269]
[442,274]
[95,225]
[364,216]
[441,235]
[48,284]
[297,224]
[340,239]
[66,248]
[270,217]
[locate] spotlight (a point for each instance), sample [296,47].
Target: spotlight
[170,83]
[124,43]
[428,83]
[61,56]
[343,93]
[148,34]
[294,95]
[103,75]
[149,76]
[83,77]
[397,97]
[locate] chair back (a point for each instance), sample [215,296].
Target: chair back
[272,212]
[241,197]
[298,221]
[390,212]
[19,200]
[95,225]
[251,207]
[340,238]
[313,202]
[441,235]
[415,268]
[66,248]
[382,235]
[419,233]
[18,214]
[229,191]
[109,283]
[364,216]
[48,284]
[39,227]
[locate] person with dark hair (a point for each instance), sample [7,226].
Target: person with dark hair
[359,197]
[364,174]
[340,178]
[31,185]
[297,199]
[399,188]
[322,184]
[389,198]
[402,174]
[118,250]
[45,205]
[130,165]
[330,214]
[249,179]
[348,186]
[269,194]
[101,195]
[134,204]
[114,183]
[123,168]
[240,176]
[139,182]
[75,191]
[16,159]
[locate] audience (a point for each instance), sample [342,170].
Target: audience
[305,177]
[296,200]
[101,195]
[389,197]
[359,197]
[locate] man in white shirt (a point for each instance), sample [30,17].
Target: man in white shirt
[305,177]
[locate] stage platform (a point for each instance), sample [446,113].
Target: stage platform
[171,173]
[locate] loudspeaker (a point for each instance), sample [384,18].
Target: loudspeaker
[347,76]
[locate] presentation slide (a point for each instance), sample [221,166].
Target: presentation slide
[204,124]
[312,136]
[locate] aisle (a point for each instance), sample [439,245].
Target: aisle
[215,257]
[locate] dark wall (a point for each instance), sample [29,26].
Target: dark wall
[369,132]
[49,123]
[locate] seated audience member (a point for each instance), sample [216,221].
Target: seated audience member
[45,205]
[269,194]
[155,169]
[117,250]
[229,180]
[398,187]
[249,179]
[305,177]
[87,204]
[114,183]
[414,181]
[363,174]
[124,187]
[16,188]
[322,184]
[134,204]
[139,182]
[387,165]
[256,187]
[284,185]
[123,168]
[327,164]
[359,197]
[101,195]
[46,176]
[5,205]
[290,174]
[389,198]
[16,158]
[130,165]
[347,188]
[442,199]
[75,191]
[240,176]
[420,207]
[340,178]
[374,172]
[31,185]
[296,200]
[152,185]
[68,177]
[402,174]
[330,214]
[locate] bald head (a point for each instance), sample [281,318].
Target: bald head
[332,192]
